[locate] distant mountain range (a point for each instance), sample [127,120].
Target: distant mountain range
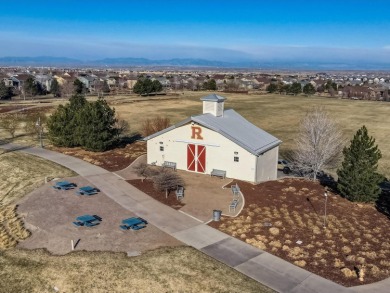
[116,62]
[188,63]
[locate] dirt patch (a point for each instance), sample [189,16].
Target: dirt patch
[111,160]
[6,109]
[279,214]
[147,187]
[27,109]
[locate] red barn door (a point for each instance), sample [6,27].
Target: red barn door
[201,159]
[191,157]
[196,158]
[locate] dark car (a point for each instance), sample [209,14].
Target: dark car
[284,165]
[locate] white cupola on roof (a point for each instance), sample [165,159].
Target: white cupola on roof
[213,104]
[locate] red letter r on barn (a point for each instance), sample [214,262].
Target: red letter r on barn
[196,132]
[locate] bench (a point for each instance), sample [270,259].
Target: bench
[233,205]
[235,190]
[168,164]
[180,192]
[78,224]
[138,227]
[124,227]
[91,224]
[218,173]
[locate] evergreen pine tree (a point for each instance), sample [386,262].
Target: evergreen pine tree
[55,88]
[105,87]
[358,178]
[79,87]
[96,126]
[63,123]
[309,89]
[5,92]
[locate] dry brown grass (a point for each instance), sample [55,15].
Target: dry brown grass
[260,110]
[11,228]
[180,269]
[22,173]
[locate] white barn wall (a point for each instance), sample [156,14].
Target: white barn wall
[267,165]
[219,154]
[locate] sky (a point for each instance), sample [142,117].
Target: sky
[283,30]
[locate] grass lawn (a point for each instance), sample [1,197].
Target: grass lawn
[181,269]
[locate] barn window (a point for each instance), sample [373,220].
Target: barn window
[161,148]
[236,159]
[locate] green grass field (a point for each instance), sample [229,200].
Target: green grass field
[277,114]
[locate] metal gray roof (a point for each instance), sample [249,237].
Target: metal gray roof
[213,98]
[235,128]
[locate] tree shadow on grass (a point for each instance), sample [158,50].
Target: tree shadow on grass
[126,140]
[328,182]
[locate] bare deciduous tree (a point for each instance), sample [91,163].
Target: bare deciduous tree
[145,171]
[10,123]
[122,125]
[67,89]
[167,180]
[150,126]
[30,126]
[319,143]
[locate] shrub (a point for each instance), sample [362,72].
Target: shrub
[167,180]
[10,123]
[274,231]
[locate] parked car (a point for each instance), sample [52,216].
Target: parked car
[284,165]
[385,186]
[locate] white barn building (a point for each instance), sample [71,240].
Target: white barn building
[218,139]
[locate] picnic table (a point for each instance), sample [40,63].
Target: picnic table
[64,185]
[87,220]
[134,223]
[87,190]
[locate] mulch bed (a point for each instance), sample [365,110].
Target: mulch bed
[111,160]
[279,213]
[147,187]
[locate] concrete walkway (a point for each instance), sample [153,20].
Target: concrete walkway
[255,263]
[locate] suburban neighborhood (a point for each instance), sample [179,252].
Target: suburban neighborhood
[347,85]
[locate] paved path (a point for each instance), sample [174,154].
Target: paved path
[255,263]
